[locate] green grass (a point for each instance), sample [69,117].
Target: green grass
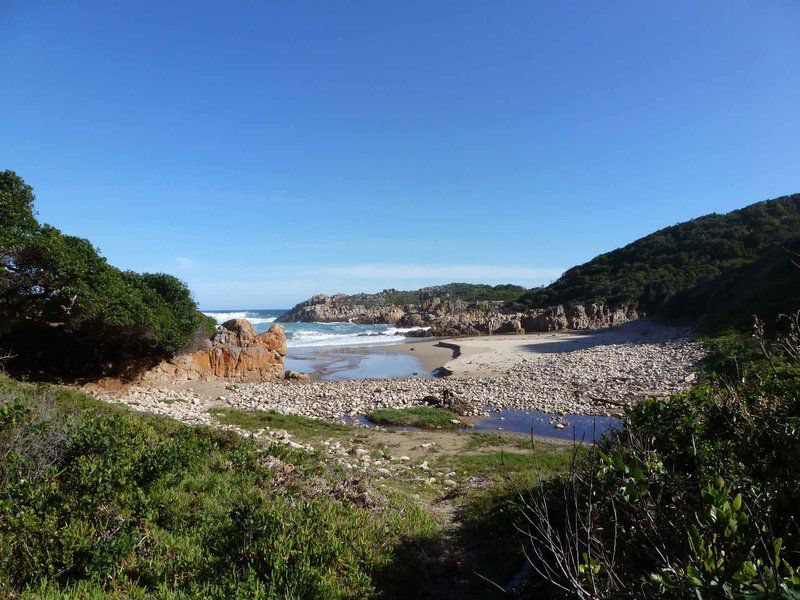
[302,427]
[542,462]
[484,439]
[425,417]
[101,502]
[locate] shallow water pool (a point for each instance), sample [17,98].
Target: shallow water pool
[578,427]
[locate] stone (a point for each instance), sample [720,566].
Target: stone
[235,353]
[442,316]
[596,380]
[294,375]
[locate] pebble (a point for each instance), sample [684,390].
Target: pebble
[590,381]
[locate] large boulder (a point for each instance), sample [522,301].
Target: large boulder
[235,353]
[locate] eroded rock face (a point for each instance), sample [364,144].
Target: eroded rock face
[235,353]
[582,316]
[554,318]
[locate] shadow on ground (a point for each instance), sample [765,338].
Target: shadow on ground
[642,331]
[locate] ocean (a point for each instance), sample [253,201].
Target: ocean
[331,351]
[310,335]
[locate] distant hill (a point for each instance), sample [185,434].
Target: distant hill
[662,271]
[467,292]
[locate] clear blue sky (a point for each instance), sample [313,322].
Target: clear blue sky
[264,151]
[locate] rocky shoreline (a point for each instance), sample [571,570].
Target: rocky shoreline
[597,380]
[445,317]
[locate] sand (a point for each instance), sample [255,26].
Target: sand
[494,355]
[563,373]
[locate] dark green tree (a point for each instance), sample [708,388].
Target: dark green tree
[64,311]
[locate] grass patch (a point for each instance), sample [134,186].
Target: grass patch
[425,417]
[483,439]
[544,463]
[491,514]
[302,427]
[493,464]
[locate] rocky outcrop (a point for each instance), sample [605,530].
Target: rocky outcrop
[581,316]
[332,309]
[235,353]
[554,318]
[340,307]
[453,317]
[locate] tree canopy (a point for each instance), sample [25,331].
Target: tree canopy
[65,312]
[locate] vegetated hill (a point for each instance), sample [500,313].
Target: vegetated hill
[468,292]
[652,270]
[767,287]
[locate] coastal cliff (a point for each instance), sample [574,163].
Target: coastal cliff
[443,316]
[234,353]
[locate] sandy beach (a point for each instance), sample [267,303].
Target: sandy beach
[495,355]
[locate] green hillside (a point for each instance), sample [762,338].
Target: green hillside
[654,269]
[767,287]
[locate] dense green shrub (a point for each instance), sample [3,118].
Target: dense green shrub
[17,220]
[65,312]
[697,496]
[653,269]
[770,286]
[94,499]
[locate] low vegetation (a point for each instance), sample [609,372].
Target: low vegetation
[98,502]
[696,497]
[424,417]
[302,427]
[66,313]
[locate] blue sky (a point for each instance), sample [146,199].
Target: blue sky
[265,151]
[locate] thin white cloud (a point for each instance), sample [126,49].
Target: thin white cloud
[186,264]
[444,272]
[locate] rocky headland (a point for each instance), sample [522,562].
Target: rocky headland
[443,316]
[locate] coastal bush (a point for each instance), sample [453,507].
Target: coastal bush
[697,496]
[65,312]
[17,219]
[98,501]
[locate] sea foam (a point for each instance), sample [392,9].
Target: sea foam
[221,317]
